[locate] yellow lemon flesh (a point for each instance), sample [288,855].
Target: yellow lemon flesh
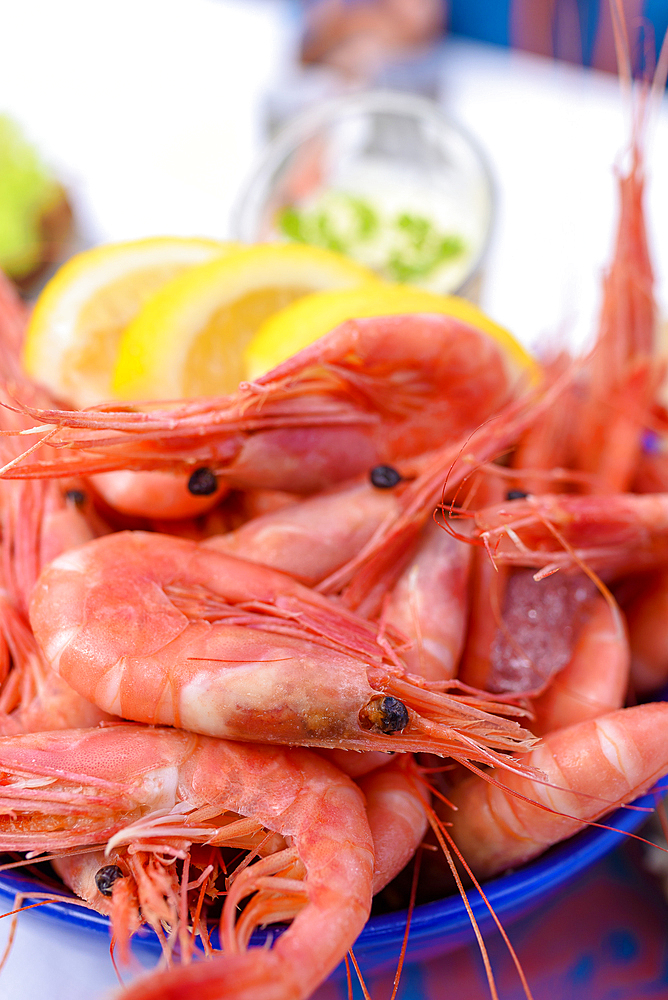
[189,339]
[315,315]
[74,332]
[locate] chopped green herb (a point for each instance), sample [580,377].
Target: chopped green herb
[405,247]
[291,223]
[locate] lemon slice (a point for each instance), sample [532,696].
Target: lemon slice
[73,335]
[189,338]
[299,324]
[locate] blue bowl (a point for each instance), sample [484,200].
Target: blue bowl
[436,928]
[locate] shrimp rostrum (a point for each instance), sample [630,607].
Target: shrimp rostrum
[147,787]
[190,637]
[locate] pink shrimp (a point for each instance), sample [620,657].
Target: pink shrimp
[647,616]
[155,787]
[429,605]
[611,535]
[595,680]
[190,637]
[612,391]
[592,767]
[165,495]
[624,371]
[312,538]
[13,321]
[38,521]
[33,698]
[372,390]
[396,806]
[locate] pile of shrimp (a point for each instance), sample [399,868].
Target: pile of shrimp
[234,632]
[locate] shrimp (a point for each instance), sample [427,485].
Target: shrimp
[38,521]
[13,321]
[612,391]
[140,886]
[129,784]
[591,767]
[364,580]
[190,637]
[396,806]
[33,698]
[647,616]
[624,371]
[429,604]
[164,495]
[312,538]
[595,680]
[611,535]
[538,627]
[370,391]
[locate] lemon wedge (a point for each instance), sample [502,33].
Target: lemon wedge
[73,335]
[188,340]
[299,324]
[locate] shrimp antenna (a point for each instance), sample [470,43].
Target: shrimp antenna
[358,971]
[442,834]
[409,917]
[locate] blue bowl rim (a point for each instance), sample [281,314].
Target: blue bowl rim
[439,926]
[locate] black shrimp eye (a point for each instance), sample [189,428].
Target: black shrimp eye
[77,497]
[203,482]
[385,714]
[516,495]
[384,477]
[105,878]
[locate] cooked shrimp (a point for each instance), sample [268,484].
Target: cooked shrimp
[312,538]
[647,616]
[103,881]
[595,680]
[612,535]
[165,495]
[396,808]
[33,698]
[370,391]
[624,370]
[13,321]
[592,766]
[131,783]
[429,605]
[534,628]
[365,580]
[195,638]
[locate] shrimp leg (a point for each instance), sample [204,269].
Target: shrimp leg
[112,782]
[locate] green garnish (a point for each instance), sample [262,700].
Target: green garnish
[404,248]
[27,191]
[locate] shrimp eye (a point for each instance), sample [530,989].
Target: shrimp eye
[202,483]
[384,477]
[105,878]
[516,495]
[77,497]
[386,714]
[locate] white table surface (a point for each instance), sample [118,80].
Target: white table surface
[151,112]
